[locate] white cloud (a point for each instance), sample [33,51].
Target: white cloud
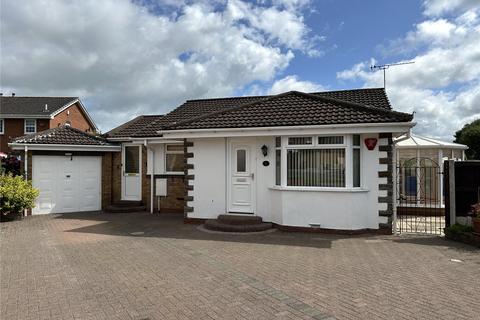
[443,86]
[292,83]
[439,7]
[124,59]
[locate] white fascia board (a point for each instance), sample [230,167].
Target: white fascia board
[27,116]
[398,127]
[68,105]
[158,141]
[63,147]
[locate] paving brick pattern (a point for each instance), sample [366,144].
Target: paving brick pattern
[138,266]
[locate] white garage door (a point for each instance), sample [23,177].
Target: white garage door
[67,184]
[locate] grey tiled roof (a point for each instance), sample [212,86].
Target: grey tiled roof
[132,127]
[62,135]
[292,109]
[32,106]
[374,99]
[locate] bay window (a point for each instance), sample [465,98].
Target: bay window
[318,161]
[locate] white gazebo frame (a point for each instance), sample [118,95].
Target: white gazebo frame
[416,142]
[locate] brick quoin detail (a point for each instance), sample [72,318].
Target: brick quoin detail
[388,186]
[188,177]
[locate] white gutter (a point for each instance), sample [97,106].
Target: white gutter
[63,147]
[30,116]
[348,125]
[290,130]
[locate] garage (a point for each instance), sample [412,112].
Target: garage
[69,167]
[67,183]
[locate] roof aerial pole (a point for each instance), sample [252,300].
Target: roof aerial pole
[385,67]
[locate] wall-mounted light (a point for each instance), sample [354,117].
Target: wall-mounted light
[264,150]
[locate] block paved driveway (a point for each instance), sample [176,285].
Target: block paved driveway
[138,266]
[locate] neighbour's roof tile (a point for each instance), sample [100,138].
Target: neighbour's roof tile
[32,106]
[62,135]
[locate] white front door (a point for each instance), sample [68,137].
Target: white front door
[242,193]
[67,183]
[131,172]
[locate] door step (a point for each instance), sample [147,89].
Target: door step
[229,223]
[125,206]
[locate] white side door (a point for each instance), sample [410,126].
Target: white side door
[131,172]
[242,196]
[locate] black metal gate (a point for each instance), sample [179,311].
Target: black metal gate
[420,197]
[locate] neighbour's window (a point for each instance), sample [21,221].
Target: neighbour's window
[319,161]
[174,158]
[30,125]
[356,160]
[1,126]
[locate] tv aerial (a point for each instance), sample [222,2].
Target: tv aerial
[385,67]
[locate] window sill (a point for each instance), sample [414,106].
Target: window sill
[318,189]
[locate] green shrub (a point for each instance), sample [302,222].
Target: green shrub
[459,228]
[16,194]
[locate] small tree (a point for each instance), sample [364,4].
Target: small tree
[16,194]
[470,136]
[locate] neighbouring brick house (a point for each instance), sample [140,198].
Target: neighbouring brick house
[26,115]
[299,160]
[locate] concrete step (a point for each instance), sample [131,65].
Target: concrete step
[127,203]
[217,225]
[239,219]
[121,209]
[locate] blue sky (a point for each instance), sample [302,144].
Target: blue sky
[129,57]
[353,32]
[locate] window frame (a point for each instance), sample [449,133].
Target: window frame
[25,125]
[347,145]
[2,131]
[359,148]
[172,152]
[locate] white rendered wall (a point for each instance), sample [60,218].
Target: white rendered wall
[347,210]
[209,193]
[159,159]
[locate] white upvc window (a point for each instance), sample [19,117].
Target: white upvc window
[30,126]
[2,125]
[174,158]
[318,161]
